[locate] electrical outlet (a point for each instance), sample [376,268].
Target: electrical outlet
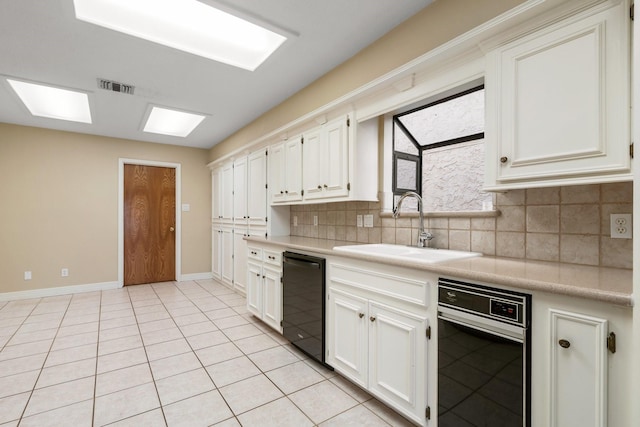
[315,220]
[27,275]
[295,221]
[358,220]
[64,272]
[621,226]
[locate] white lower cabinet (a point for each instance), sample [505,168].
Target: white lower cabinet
[579,378]
[216,244]
[226,256]
[239,260]
[264,286]
[397,352]
[348,325]
[578,370]
[377,341]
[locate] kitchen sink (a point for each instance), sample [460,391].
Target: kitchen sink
[402,252]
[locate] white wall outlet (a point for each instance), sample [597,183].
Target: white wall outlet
[186,207]
[358,220]
[64,272]
[621,226]
[368,221]
[315,220]
[27,275]
[295,220]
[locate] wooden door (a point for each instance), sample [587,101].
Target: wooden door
[149,224]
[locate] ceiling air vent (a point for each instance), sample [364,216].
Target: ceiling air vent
[115,86]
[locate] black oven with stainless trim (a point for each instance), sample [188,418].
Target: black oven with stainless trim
[484,357]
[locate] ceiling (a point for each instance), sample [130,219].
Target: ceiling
[41,41]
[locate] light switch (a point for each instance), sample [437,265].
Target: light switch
[368,221]
[186,207]
[358,220]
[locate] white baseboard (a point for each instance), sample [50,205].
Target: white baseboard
[195,276]
[63,290]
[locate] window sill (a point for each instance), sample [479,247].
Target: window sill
[453,214]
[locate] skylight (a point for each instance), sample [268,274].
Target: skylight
[172,122]
[52,102]
[187,25]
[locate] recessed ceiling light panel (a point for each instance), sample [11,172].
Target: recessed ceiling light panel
[187,25]
[52,102]
[172,122]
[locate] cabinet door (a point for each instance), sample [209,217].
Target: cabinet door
[272,298]
[293,169]
[240,190]
[313,153]
[277,174]
[397,358]
[215,252]
[239,261]
[254,289]
[348,323]
[226,256]
[216,192]
[336,177]
[558,101]
[226,195]
[578,370]
[256,188]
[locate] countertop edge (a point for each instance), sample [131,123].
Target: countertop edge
[325,247]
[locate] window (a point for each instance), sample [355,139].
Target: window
[438,152]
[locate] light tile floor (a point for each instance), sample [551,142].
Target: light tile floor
[166,354]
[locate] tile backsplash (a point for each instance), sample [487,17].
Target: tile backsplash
[563,224]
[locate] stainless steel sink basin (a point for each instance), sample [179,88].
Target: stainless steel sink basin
[413,253]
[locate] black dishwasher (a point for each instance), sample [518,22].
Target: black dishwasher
[303,311]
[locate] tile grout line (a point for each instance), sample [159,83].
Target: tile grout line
[144,347]
[44,362]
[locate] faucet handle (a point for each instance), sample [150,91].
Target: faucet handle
[424,238]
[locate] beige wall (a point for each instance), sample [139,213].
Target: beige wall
[438,23]
[59,206]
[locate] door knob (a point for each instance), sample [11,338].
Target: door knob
[171,229]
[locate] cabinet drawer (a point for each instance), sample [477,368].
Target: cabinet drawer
[254,253]
[399,284]
[273,258]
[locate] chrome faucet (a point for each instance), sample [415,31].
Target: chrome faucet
[423,236]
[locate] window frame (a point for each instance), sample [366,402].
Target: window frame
[398,155]
[395,121]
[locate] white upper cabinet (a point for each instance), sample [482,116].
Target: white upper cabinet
[257,188]
[226,192]
[216,194]
[331,162]
[325,160]
[558,102]
[285,171]
[240,190]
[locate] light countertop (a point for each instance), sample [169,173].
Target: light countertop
[611,285]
